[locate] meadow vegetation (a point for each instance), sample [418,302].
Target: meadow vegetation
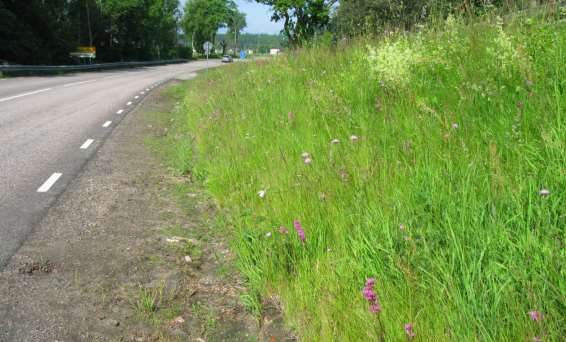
[407,186]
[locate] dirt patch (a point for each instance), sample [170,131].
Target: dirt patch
[120,258]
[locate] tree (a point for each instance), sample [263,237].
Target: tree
[302,19]
[236,23]
[203,18]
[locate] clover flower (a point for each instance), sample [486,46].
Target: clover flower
[283,230]
[409,331]
[261,193]
[307,161]
[544,192]
[300,230]
[535,315]
[455,126]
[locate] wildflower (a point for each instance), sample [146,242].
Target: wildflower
[520,105]
[268,234]
[537,339]
[455,126]
[307,161]
[402,227]
[535,315]
[261,193]
[335,141]
[375,308]
[300,230]
[370,295]
[530,83]
[305,155]
[544,192]
[354,138]
[409,330]
[406,238]
[283,230]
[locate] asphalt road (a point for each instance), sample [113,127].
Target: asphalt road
[51,126]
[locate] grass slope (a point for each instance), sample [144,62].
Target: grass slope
[447,143]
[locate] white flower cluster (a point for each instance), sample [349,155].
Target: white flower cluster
[391,61]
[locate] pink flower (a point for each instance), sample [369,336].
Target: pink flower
[409,330]
[370,295]
[300,230]
[535,315]
[283,230]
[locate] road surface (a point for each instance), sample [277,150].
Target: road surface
[50,127]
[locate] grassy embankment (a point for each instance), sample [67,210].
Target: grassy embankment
[446,182]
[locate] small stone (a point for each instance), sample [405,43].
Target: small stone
[179,320]
[188,259]
[111,322]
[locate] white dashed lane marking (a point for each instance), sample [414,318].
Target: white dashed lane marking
[87,144]
[107,124]
[120,111]
[129,103]
[136,97]
[25,94]
[49,182]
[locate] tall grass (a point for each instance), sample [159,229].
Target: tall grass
[444,141]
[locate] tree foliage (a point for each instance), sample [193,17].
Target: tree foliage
[45,32]
[302,19]
[203,19]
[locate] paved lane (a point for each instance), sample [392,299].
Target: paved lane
[49,128]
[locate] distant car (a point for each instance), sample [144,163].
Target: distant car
[227,59]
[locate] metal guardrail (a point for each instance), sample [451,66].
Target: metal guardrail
[45,69]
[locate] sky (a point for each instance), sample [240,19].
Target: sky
[258,17]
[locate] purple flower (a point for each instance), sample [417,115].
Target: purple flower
[283,230]
[409,330]
[300,230]
[370,295]
[375,308]
[535,315]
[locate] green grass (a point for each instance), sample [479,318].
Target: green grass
[459,129]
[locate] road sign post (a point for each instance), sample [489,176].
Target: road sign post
[207,46]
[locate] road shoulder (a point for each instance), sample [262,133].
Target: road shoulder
[119,258]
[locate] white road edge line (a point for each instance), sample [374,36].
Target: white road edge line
[49,182]
[129,103]
[87,144]
[120,111]
[77,83]
[25,94]
[107,124]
